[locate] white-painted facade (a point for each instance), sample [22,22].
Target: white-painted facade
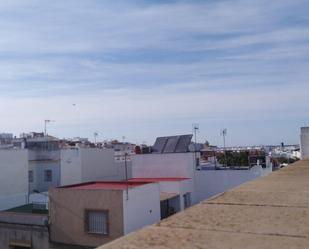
[212,182]
[13,178]
[179,188]
[38,169]
[89,164]
[202,184]
[164,165]
[141,207]
[168,165]
[304,142]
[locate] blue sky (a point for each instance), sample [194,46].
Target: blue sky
[143,69]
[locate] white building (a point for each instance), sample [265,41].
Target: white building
[200,184]
[44,163]
[296,154]
[13,178]
[304,142]
[123,151]
[175,193]
[6,140]
[90,164]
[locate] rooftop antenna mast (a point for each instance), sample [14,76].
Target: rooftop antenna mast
[195,130]
[95,134]
[46,121]
[223,134]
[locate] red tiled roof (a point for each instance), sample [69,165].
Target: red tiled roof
[168,179]
[106,185]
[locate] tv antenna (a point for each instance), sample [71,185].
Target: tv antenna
[195,128]
[95,135]
[46,121]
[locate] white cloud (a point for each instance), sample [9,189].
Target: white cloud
[123,61]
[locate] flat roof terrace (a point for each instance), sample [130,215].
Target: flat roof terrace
[271,212]
[149,180]
[106,185]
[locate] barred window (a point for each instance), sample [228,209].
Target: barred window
[97,222]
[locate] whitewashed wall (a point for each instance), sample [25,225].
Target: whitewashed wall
[212,182]
[13,178]
[38,168]
[304,142]
[98,164]
[121,170]
[177,187]
[186,186]
[142,207]
[163,165]
[88,164]
[70,166]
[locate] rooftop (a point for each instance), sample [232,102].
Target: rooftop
[110,185]
[171,179]
[268,213]
[30,208]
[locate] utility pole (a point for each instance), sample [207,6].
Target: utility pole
[126,173]
[224,133]
[195,130]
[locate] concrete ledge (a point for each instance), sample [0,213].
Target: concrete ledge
[270,212]
[24,219]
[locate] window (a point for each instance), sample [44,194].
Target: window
[30,175]
[48,176]
[97,222]
[187,200]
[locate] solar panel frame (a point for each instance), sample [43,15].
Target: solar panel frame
[171,144]
[159,145]
[183,143]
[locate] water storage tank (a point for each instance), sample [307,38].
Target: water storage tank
[304,142]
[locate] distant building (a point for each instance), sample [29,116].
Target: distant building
[80,165]
[51,162]
[5,140]
[123,151]
[25,226]
[304,142]
[44,163]
[13,178]
[92,214]
[296,153]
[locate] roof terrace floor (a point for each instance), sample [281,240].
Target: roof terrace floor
[269,212]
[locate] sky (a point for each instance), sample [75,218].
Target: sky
[141,69]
